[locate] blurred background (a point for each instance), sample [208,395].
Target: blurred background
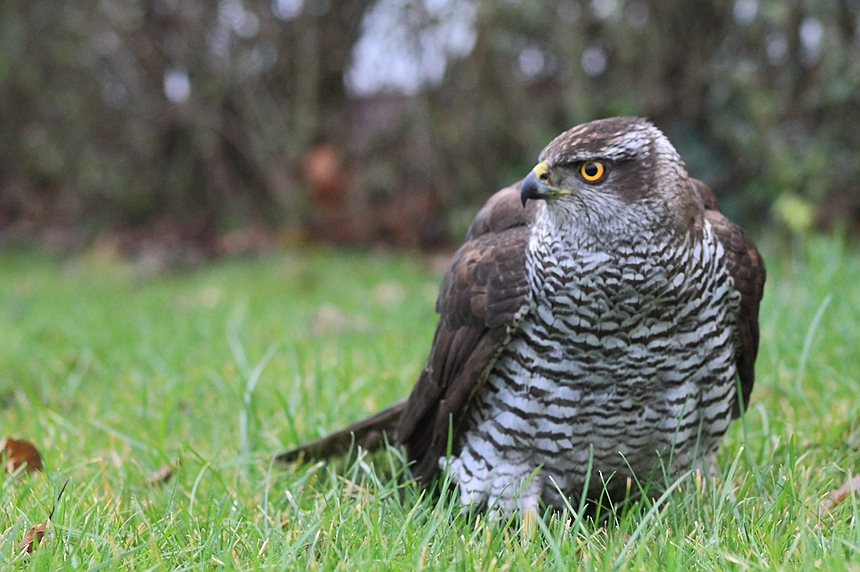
[204,126]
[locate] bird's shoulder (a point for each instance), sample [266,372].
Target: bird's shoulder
[486,283]
[742,259]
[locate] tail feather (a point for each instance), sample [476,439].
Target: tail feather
[368,434]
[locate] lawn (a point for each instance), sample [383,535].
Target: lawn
[114,374]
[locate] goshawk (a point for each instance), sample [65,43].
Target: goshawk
[599,324]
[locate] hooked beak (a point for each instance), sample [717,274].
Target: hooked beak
[533,188]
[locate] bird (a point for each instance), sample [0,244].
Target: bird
[598,327]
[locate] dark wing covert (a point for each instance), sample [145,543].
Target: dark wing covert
[746,267]
[482,297]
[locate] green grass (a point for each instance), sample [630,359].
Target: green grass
[114,374]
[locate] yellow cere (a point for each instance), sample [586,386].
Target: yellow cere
[541,171]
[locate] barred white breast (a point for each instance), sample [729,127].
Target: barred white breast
[624,364]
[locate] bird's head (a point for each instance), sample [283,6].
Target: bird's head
[609,172]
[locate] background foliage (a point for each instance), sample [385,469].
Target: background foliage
[223,114]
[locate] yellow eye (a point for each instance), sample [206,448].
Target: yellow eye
[592,171]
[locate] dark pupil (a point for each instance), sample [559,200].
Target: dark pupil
[591,170]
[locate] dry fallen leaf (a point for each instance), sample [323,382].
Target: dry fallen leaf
[33,537]
[36,534]
[389,293]
[839,495]
[162,475]
[18,453]
[330,320]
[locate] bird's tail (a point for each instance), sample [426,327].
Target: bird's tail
[368,434]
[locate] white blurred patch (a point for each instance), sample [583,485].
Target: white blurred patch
[531,61]
[402,49]
[604,9]
[232,15]
[776,47]
[594,60]
[286,9]
[745,11]
[177,85]
[811,36]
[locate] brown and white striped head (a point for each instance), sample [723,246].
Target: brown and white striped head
[613,175]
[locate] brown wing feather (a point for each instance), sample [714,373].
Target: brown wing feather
[480,297]
[746,268]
